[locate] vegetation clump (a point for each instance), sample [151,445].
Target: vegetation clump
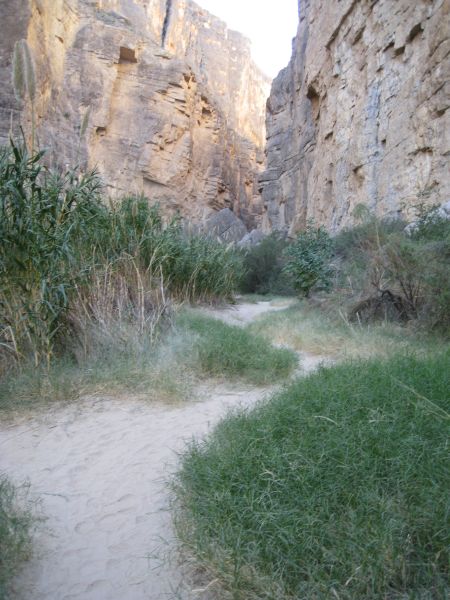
[16,524]
[70,263]
[263,267]
[337,486]
[309,260]
[391,272]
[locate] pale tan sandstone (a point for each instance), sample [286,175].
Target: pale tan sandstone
[177,106]
[360,115]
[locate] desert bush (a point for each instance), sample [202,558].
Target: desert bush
[337,486]
[263,267]
[393,273]
[353,242]
[308,260]
[16,524]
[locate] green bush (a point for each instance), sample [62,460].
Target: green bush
[308,260]
[15,535]
[229,350]
[430,224]
[263,267]
[337,486]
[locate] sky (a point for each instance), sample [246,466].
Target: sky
[270,25]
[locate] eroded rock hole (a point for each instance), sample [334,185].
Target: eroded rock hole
[314,98]
[127,55]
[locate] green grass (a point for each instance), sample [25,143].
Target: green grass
[16,524]
[233,352]
[337,487]
[306,328]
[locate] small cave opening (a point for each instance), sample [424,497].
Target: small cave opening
[127,55]
[314,98]
[418,28]
[101,131]
[358,172]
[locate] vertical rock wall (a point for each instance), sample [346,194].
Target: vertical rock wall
[177,106]
[360,115]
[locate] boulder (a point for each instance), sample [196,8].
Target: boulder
[225,226]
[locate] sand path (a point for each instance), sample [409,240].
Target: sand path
[100,468]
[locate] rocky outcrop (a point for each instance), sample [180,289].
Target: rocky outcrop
[176,106]
[360,115]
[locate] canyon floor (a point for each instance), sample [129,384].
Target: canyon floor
[100,468]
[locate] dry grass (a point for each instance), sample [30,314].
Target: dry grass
[305,328]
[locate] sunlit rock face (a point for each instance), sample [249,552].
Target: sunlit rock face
[177,107]
[360,115]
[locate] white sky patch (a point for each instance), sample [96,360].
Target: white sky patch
[270,25]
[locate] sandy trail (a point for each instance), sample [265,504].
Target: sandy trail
[99,467]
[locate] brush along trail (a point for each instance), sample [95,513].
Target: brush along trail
[100,468]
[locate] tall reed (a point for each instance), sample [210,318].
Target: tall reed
[24,81]
[67,258]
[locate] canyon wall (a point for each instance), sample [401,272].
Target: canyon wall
[360,115]
[176,105]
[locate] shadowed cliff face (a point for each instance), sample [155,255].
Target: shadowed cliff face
[177,107]
[360,115]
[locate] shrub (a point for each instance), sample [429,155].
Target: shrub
[389,272]
[430,224]
[263,267]
[337,486]
[308,260]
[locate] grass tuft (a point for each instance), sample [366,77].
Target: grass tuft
[229,350]
[16,524]
[336,487]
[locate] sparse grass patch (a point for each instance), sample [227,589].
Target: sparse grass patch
[228,350]
[336,487]
[126,362]
[16,523]
[122,360]
[304,327]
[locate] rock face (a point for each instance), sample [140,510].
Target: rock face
[176,105]
[360,115]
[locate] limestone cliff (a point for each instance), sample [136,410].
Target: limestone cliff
[177,107]
[360,115]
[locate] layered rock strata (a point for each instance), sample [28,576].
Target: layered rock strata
[360,115]
[176,106]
